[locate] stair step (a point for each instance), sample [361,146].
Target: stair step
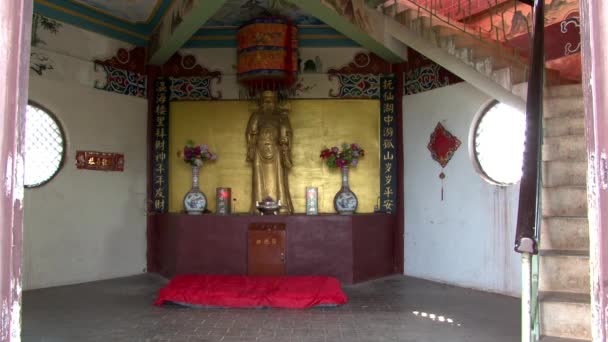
[394,8]
[563,106]
[564,271]
[422,25]
[503,76]
[565,91]
[564,125]
[565,233]
[484,65]
[567,147]
[565,315]
[558,339]
[404,17]
[552,77]
[565,201]
[564,173]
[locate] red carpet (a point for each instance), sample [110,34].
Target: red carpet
[294,292]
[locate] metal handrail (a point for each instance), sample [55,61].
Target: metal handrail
[529,194]
[529,211]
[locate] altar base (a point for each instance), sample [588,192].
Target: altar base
[351,248]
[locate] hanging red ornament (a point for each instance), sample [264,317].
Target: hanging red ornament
[442,146]
[267,56]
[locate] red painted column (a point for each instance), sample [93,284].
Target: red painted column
[15,26]
[594,36]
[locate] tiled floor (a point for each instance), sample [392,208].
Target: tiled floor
[391,309]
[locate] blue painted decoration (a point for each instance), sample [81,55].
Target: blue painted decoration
[192,88]
[122,81]
[359,86]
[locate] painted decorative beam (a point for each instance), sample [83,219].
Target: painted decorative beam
[358,22]
[178,24]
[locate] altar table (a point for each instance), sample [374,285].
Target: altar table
[352,248]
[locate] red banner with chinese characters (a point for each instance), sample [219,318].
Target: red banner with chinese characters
[104,161]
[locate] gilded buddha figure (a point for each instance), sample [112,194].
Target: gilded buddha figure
[269,139]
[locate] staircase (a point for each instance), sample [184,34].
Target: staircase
[475,55]
[471,53]
[565,312]
[501,72]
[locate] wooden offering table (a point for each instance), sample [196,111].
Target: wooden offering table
[352,248]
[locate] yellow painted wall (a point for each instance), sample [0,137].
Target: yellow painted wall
[316,124]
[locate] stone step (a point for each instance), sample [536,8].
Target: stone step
[558,339]
[564,125]
[563,106]
[567,147]
[564,233]
[484,65]
[503,77]
[550,92]
[404,17]
[565,315]
[563,201]
[564,271]
[564,90]
[560,173]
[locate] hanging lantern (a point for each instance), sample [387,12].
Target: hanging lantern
[267,57]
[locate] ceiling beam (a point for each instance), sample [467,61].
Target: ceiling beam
[367,29]
[181,20]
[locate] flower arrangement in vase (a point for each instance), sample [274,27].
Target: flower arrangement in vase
[345,201]
[195,201]
[195,154]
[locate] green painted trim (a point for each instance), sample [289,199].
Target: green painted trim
[190,24]
[347,28]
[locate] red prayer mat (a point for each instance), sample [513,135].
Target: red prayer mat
[293,292]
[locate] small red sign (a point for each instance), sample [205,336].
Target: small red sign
[104,161]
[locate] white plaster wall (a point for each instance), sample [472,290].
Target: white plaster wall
[69,54]
[88,225]
[466,239]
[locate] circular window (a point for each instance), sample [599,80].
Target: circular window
[498,143]
[44,146]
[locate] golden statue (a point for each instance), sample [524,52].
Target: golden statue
[269,139]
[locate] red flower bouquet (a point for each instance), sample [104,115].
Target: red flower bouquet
[195,154]
[349,156]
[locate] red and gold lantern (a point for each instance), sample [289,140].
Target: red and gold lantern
[267,54]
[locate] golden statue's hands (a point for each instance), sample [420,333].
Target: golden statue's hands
[287,160]
[250,154]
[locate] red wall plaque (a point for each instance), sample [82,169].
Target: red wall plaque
[104,161]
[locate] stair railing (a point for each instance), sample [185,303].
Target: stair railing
[432,10]
[529,211]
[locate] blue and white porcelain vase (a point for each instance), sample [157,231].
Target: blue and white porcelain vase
[195,200]
[345,201]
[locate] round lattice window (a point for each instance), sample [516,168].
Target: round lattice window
[497,144]
[44,146]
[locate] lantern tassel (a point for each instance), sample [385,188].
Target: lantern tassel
[442,177]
